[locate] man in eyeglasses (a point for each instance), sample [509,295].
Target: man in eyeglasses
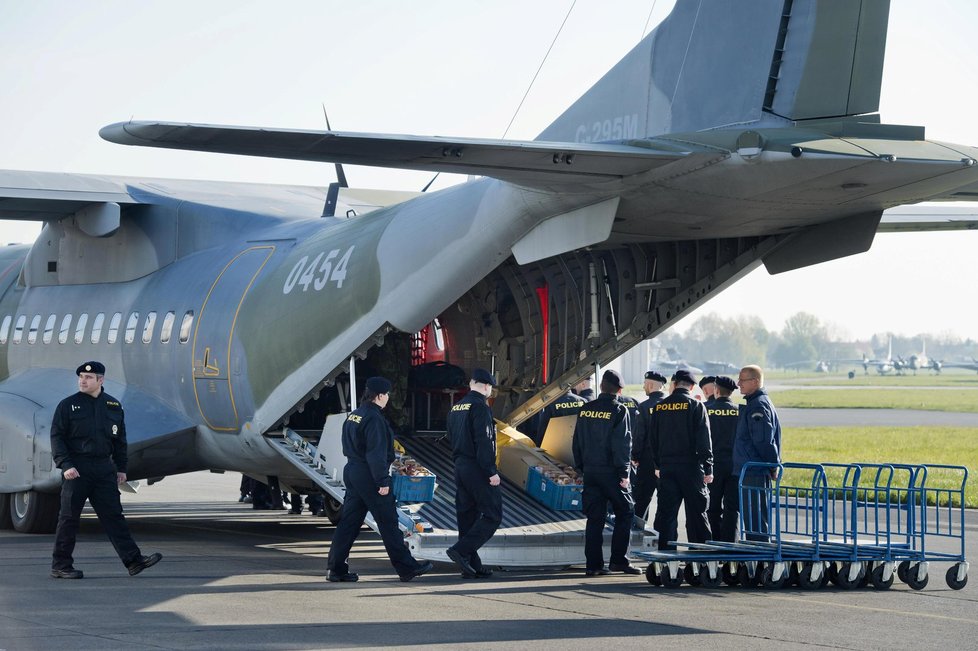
[758,439]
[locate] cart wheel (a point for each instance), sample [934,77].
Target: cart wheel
[651,575]
[668,581]
[902,570]
[844,573]
[913,581]
[728,572]
[690,575]
[768,580]
[705,579]
[744,577]
[876,577]
[832,573]
[793,572]
[805,580]
[952,577]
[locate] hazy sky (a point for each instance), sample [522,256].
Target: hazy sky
[454,68]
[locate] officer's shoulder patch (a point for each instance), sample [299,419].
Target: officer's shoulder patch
[757,415]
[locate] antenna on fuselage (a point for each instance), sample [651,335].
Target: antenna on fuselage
[333,192]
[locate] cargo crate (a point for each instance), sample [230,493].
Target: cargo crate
[559,497]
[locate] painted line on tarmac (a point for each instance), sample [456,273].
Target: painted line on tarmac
[890,611]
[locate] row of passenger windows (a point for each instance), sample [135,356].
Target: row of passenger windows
[95,335]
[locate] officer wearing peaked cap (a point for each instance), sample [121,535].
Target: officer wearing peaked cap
[708,386]
[724,502]
[602,449]
[478,497]
[680,437]
[88,443]
[645,480]
[368,444]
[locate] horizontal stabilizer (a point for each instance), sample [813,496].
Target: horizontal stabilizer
[520,162]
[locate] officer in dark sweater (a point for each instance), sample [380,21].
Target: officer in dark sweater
[88,443]
[478,497]
[602,450]
[368,444]
[566,405]
[724,502]
[758,440]
[681,452]
[645,481]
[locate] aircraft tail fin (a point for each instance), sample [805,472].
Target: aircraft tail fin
[714,63]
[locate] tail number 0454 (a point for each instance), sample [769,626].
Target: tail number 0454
[324,268]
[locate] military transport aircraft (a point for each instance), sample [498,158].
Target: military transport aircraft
[733,135]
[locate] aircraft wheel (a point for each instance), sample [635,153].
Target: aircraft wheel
[333,509]
[5,521]
[33,512]
[952,577]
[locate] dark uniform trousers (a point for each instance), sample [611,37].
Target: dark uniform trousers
[755,504]
[97,483]
[724,505]
[478,509]
[682,483]
[600,489]
[362,496]
[644,488]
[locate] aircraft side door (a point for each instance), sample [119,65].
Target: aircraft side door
[213,336]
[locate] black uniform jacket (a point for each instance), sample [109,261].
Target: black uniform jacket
[641,447]
[723,415]
[369,439]
[473,432]
[681,432]
[84,427]
[603,437]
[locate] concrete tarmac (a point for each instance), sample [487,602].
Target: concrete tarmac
[236,578]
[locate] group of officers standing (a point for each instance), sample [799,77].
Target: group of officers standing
[690,451]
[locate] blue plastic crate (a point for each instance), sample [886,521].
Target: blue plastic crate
[414,489]
[559,497]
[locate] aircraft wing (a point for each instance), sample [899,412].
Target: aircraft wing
[48,196]
[520,162]
[929,217]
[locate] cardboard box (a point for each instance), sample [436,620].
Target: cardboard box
[559,438]
[414,489]
[515,462]
[559,497]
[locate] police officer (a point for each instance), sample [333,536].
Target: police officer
[724,502]
[681,452]
[645,481]
[478,497]
[566,405]
[88,443]
[583,389]
[602,449]
[368,444]
[708,387]
[758,439]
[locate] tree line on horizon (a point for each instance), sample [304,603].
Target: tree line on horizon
[804,339]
